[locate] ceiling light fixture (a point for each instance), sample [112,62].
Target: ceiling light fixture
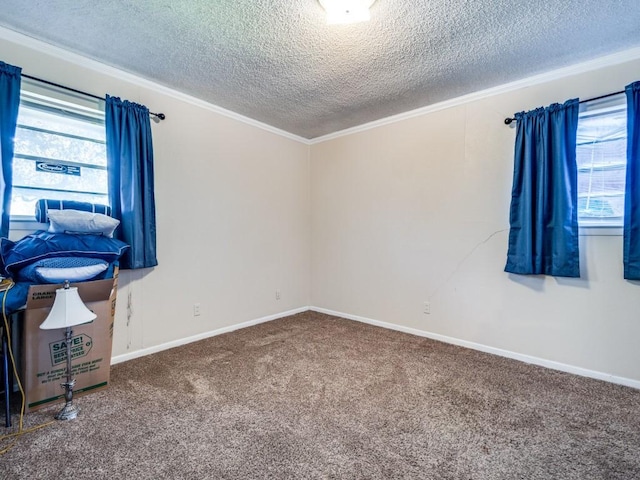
[346,11]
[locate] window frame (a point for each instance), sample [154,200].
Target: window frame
[65,104]
[599,228]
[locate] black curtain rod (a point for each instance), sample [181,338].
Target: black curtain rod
[507,121]
[160,116]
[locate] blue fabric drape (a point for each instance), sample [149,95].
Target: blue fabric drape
[543,238]
[631,237]
[10,77]
[131,191]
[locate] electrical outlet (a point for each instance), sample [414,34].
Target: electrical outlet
[196,309]
[277,294]
[426,308]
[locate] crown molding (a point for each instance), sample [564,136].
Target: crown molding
[102,68]
[584,67]
[94,65]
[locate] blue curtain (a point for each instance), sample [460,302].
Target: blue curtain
[543,238]
[631,237]
[131,192]
[9,103]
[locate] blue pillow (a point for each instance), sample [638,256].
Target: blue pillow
[41,245]
[59,269]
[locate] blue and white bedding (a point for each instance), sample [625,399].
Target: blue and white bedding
[59,269]
[42,245]
[44,206]
[44,257]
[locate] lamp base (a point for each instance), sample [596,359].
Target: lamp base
[68,412]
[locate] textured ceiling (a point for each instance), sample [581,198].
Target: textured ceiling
[276,61]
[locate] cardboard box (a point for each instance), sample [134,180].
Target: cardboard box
[44,355]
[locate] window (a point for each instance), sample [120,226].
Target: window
[60,149]
[601,155]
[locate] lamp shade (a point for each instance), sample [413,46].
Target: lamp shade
[68,310]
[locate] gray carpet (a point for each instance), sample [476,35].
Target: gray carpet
[317,397]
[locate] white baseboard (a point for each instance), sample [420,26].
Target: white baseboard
[487,349]
[201,336]
[563,367]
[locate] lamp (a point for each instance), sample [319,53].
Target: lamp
[347,11]
[68,311]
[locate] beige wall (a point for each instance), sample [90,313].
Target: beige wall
[417,211]
[232,206]
[372,224]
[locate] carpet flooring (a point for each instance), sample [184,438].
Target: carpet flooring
[313,396]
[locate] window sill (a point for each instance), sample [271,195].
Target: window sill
[21,226]
[600,231]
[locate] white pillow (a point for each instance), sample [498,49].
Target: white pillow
[76,221]
[73,274]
